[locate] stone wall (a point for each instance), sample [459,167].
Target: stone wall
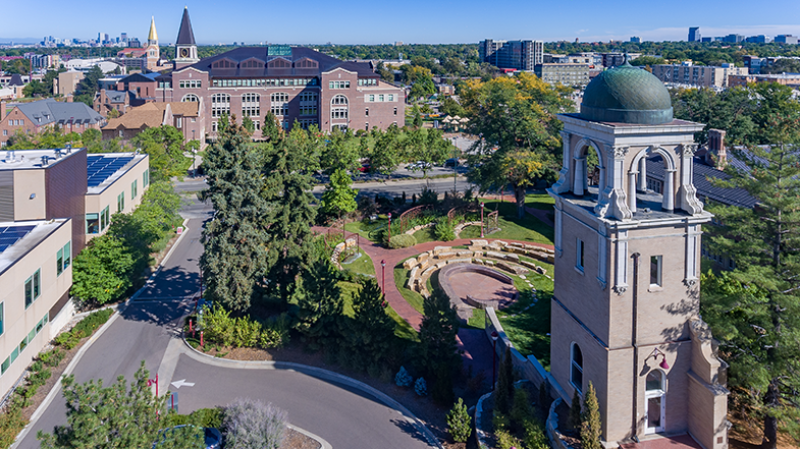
[339,249]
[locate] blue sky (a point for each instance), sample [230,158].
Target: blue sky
[413,21]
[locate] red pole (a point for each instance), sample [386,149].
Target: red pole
[156,384]
[494,356]
[201,339]
[190,328]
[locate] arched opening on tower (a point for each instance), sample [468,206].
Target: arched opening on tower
[588,171]
[651,181]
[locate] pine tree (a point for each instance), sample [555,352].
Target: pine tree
[575,411]
[321,306]
[755,313]
[504,392]
[459,422]
[235,239]
[287,189]
[437,335]
[591,429]
[371,332]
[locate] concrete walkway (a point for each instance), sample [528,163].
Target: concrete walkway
[477,352]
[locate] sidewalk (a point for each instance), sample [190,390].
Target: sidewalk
[477,352]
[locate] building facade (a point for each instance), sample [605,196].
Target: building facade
[520,55]
[694,34]
[693,75]
[624,311]
[37,116]
[787,79]
[567,74]
[187,117]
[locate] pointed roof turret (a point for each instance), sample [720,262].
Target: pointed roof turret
[153,36]
[185,33]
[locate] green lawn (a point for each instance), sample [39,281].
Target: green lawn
[529,328]
[400,278]
[357,228]
[478,319]
[529,228]
[362,265]
[425,235]
[403,329]
[541,201]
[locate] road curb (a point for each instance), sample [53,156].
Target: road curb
[67,371]
[323,444]
[319,373]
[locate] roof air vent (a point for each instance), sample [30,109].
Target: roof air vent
[45,161]
[58,153]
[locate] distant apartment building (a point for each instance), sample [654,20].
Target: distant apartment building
[617,59]
[520,55]
[760,39]
[733,38]
[787,79]
[636,39]
[786,39]
[567,74]
[693,75]
[44,61]
[37,116]
[694,34]
[67,82]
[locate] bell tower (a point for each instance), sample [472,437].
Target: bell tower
[625,312]
[152,52]
[185,45]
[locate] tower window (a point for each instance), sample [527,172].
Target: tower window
[580,247]
[655,270]
[576,369]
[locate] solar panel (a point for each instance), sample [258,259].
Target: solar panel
[10,235]
[100,168]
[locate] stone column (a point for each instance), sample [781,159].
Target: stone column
[564,183]
[687,194]
[668,200]
[580,176]
[632,191]
[642,186]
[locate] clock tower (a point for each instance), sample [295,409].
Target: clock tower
[185,45]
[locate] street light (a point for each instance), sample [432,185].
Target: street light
[383,276]
[494,354]
[390,226]
[482,204]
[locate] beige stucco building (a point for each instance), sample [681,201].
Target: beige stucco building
[625,312]
[117,182]
[697,75]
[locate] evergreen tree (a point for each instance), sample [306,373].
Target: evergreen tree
[236,257]
[754,310]
[287,190]
[437,335]
[504,392]
[575,411]
[371,333]
[591,429]
[339,199]
[321,306]
[271,131]
[459,422]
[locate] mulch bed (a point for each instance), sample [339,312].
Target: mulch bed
[296,440]
[430,413]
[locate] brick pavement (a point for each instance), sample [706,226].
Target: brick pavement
[477,352]
[673,442]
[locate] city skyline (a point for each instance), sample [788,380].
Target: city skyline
[417,22]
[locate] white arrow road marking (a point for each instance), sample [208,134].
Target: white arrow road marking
[182,383]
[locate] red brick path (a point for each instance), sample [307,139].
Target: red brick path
[676,442]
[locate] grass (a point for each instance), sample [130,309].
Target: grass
[425,235]
[529,329]
[403,329]
[528,228]
[478,319]
[362,229]
[362,265]
[541,201]
[401,276]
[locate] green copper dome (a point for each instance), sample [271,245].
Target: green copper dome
[627,94]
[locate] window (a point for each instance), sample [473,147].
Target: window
[655,271]
[104,219]
[220,104]
[190,98]
[92,224]
[33,288]
[390,97]
[308,97]
[67,254]
[146,178]
[371,98]
[368,82]
[395,111]
[366,112]
[279,104]
[189,84]
[339,84]
[655,381]
[340,112]
[576,371]
[121,202]
[59,262]
[178,122]
[134,189]
[579,255]
[2,321]
[251,105]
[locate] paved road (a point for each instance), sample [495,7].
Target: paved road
[410,186]
[143,331]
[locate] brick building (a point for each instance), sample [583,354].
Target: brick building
[37,116]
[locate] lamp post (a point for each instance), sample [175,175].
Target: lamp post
[494,354]
[390,225]
[383,276]
[482,204]
[455,166]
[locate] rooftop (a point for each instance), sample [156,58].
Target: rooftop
[33,159]
[18,238]
[48,111]
[104,169]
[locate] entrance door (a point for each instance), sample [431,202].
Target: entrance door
[655,409]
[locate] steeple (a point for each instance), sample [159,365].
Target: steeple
[185,33]
[185,46]
[152,38]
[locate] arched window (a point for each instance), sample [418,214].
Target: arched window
[655,381]
[251,105]
[576,371]
[220,104]
[190,98]
[280,104]
[339,109]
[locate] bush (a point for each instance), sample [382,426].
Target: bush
[444,230]
[253,424]
[204,417]
[403,379]
[428,196]
[535,437]
[402,241]
[11,423]
[221,329]
[590,420]
[420,387]
[459,423]
[574,419]
[521,410]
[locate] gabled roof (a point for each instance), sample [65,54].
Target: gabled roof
[237,55]
[51,111]
[185,32]
[16,80]
[151,115]
[140,78]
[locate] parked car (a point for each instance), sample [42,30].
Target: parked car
[365,167]
[212,437]
[419,165]
[452,162]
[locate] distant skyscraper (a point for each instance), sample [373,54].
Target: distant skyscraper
[520,55]
[733,38]
[694,34]
[786,39]
[636,39]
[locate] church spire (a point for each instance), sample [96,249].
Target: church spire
[153,36]
[185,32]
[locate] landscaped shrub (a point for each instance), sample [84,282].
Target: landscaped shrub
[420,387]
[402,241]
[221,329]
[428,196]
[521,410]
[505,384]
[535,437]
[84,328]
[459,423]
[254,425]
[590,420]
[444,230]
[403,379]
[574,418]
[204,417]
